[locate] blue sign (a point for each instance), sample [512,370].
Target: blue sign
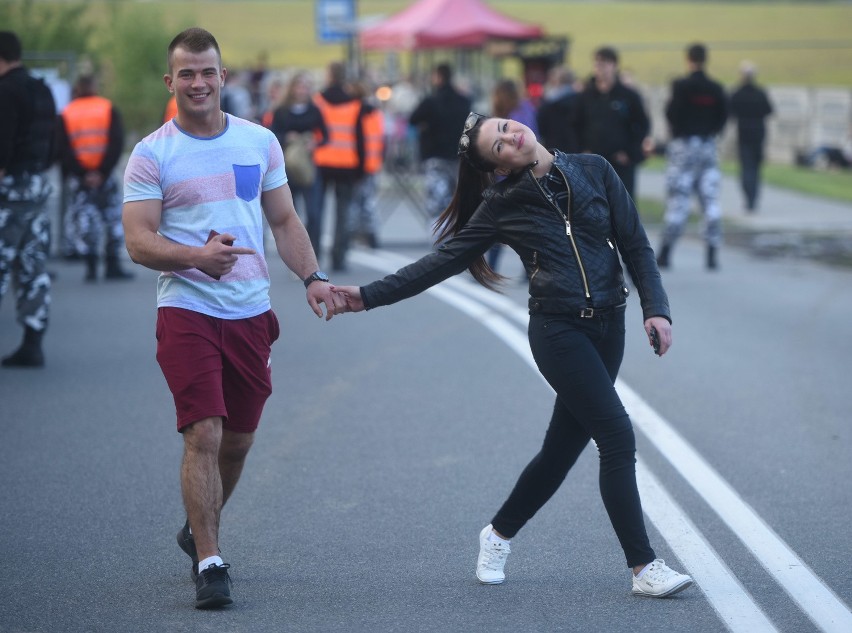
[335,20]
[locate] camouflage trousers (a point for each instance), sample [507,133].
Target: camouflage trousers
[24,245]
[693,169]
[92,216]
[440,176]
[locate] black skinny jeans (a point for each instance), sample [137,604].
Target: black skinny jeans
[580,359]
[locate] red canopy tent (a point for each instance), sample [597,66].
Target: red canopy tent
[431,24]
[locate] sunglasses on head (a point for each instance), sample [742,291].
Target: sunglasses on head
[469,123]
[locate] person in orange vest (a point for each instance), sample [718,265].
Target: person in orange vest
[341,159]
[364,214]
[91,139]
[171,109]
[298,124]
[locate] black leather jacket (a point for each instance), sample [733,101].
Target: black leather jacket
[569,254]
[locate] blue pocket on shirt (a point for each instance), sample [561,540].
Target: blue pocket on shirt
[247,181]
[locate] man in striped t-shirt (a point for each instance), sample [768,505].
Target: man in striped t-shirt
[196,192]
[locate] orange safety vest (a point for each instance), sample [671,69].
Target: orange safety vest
[171,110]
[87,121]
[374,141]
[341,150]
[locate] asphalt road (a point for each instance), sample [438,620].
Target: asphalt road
[393,436]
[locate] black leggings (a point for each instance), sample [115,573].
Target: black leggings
[580,359]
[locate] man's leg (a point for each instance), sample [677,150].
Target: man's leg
[201,483]
[32,287]
[232,457]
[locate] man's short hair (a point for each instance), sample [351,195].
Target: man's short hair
[86,86]
[337,73]
[10,46]
[697,53]
[607,54]
[194,40]
[445,72]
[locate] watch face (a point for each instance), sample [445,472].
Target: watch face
[317,276]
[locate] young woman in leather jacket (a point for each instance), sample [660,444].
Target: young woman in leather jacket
[568,217]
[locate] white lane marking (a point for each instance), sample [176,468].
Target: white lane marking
[816,599]
[735,606]
[731,600]
[825,609]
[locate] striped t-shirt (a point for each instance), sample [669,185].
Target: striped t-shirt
[210,184]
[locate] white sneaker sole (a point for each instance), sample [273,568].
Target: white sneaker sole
[676,589]
[490,582]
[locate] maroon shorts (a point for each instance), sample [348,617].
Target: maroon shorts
[217,367]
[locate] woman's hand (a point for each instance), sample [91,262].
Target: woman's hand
[664,332]
[351,296]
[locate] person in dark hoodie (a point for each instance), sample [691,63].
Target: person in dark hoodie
[341,159]
[27,131]
[696,112]
[612,120]
[438,118]
[750,106]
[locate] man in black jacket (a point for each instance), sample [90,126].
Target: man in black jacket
[612,121]
[557,115]
[696,112]
[750,106]
[438,119]
[27,129]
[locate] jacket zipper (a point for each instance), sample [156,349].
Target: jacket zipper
[567,220]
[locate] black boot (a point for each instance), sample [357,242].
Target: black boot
[114,269]
[712,264]
[663,256]
[29,354]
[91,268]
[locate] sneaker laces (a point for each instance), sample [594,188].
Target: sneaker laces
[494,555]
[657,571]
[215,572]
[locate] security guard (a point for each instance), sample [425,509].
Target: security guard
[91,139]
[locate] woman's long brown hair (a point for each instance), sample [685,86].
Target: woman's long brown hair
[475,175]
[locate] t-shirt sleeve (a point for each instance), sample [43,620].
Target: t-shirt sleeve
[275,176]
[142,176]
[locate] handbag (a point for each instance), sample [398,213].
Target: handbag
[299,161]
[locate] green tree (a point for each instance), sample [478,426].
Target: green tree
[49,27]
[133,54]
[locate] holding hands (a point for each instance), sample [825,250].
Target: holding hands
[337,299]
[349,297]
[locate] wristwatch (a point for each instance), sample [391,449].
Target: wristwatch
[317,276]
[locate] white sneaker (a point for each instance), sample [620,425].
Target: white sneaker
[492,558]
[659,581]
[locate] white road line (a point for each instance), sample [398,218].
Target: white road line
[731,600]
[813,596]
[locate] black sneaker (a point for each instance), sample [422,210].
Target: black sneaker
[187,544]
[213,587]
